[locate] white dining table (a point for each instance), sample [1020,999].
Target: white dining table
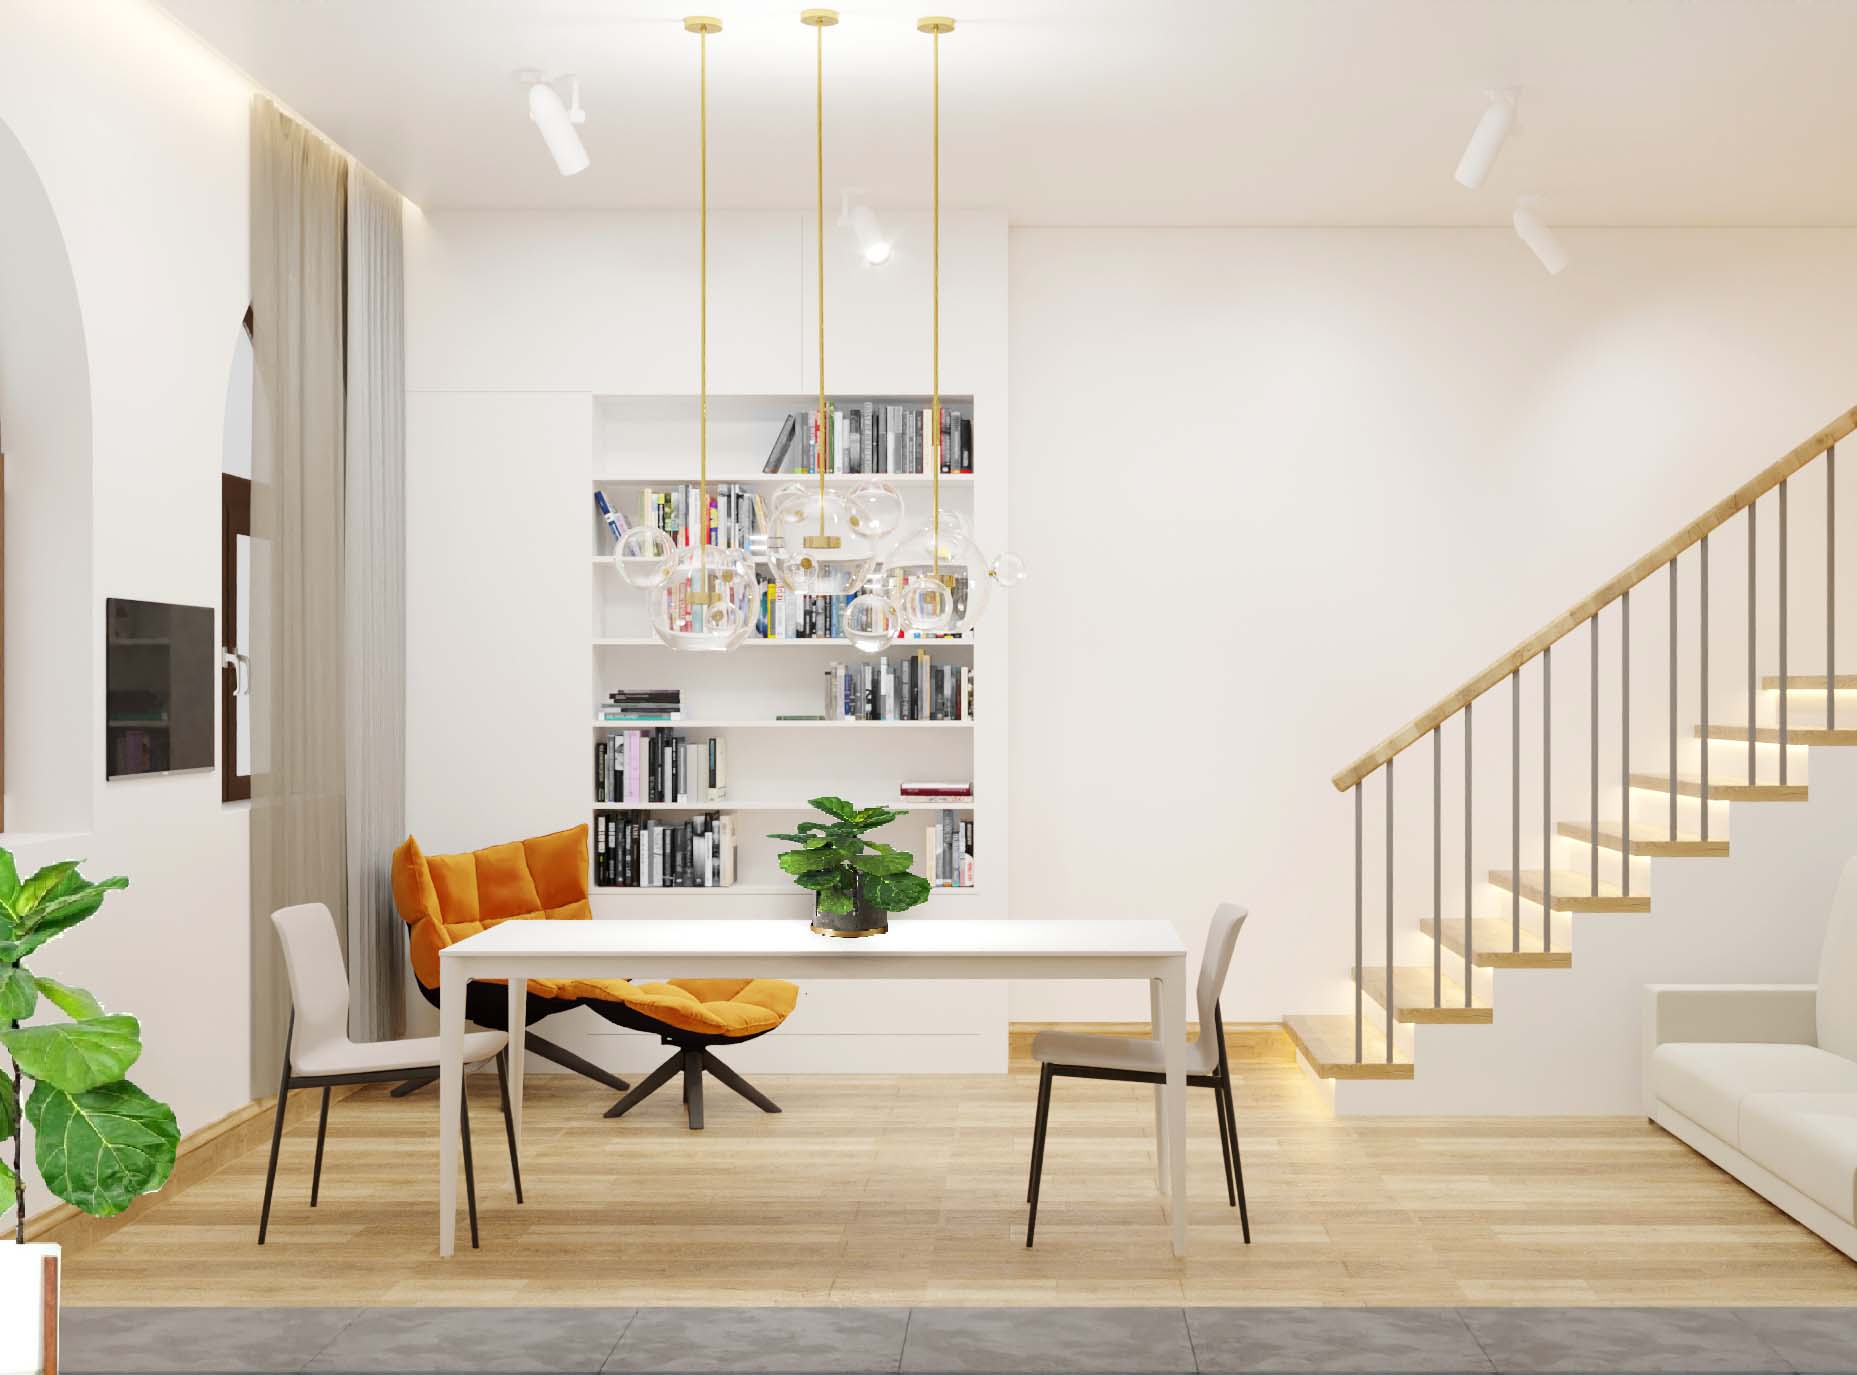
[928,948]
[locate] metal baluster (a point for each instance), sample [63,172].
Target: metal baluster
[1785,682]
[1831,589]
[1753,530]
[1357,924]
[1389,911]
[1515,805]
[1547,784]
[1705,686]
[1437,866]
[1624,734]
[1469,926]
[1593,774]
[1705,743]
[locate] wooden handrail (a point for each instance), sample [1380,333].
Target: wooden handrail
[1577,615]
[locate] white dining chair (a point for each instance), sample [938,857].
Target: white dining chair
[319,1054]
[1138,1060]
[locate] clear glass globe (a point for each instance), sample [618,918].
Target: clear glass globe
[818,550]
[708,603]
[872,622]
[645,556]
[938,582]
[877,508]
[1008,569]
[784,505]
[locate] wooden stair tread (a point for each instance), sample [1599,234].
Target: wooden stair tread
[1495,943]
[1413,999]
[1572,891]
[1770,735]
[1720,792]
[1326,1041]
[1808,682]
[1646,840]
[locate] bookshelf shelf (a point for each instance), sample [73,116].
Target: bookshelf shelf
[760,890]
[897,804]
[668,477]
[790,642]
[688,724]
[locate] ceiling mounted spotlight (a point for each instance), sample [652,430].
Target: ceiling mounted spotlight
[1541,240]
[1486,140]
[558,121]
[873,244]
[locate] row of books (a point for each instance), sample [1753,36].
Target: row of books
[735,513]
[904,687]
[634,851]
[659,765]
[948,851]
[783,615]
[871,437]
[643,704]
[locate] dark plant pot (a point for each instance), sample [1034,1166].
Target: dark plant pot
[863,919]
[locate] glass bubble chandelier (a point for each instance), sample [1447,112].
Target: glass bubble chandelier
[936,579]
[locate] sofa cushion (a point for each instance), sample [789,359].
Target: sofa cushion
[1708,1081]
[1809,1140]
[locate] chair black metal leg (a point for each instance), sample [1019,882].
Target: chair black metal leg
[693,1088]
[322,1131]
[470,1175]
[730,1079]
[413,1085]
[548,1050]
[277,1138]
[509,1120]
[1038,1150]
[1231,1114]
[1225,1147]
[652,1082]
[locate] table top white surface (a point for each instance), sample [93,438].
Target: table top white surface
[928,938]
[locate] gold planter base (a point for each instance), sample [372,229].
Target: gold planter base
[818,930]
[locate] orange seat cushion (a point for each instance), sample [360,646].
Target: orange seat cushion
[444,898]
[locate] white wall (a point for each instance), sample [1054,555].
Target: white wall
[1281,490]
[139,138]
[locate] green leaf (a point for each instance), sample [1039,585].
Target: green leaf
[9,878]
[809,861]
[19,994]
[872,817]
[9,1109]
[825,878]
[76,1056]
[881,865]
[812,826]
[101,1148]
[72,900]
[34,889]
[787,836]
[894,893]
[9,1187]
[79,1004]
[835,806]
[836,901]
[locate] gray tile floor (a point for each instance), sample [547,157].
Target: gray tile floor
[998,1341]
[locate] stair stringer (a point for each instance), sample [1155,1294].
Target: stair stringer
[1568,1041]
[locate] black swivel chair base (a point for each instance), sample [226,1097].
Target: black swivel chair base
[694,1061]
[288,1081]
[1219,1081]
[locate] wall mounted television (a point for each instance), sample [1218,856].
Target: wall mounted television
[160,687]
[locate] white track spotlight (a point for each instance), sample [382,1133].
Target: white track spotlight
[557,122]
[1486,141]
[1541,240]
[873,244]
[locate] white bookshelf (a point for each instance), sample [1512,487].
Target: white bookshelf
[650,443]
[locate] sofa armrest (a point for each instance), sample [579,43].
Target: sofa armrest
[1772,1013]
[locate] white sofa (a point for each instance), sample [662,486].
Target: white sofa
[1762,1078]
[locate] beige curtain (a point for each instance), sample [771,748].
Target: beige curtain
[375,538]
[298,194]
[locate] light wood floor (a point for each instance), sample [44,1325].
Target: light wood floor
[910,1191]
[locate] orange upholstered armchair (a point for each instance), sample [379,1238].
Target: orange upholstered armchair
[444,898]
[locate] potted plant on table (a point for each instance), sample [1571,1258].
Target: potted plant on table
[100,1141]
[856,883]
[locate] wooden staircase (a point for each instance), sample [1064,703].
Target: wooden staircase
[1525,917]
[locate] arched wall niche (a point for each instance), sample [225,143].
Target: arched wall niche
[50,733]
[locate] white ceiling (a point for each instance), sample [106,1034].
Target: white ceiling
[1298,112]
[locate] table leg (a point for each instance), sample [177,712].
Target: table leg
[451,985]
[1173,1020]
[518,1031]
[1156,1030]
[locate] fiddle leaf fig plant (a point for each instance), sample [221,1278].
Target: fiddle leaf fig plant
[838,864]
[100,1141]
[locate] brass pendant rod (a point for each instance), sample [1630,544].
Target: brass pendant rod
[935,277]
[823,441]
[702,428]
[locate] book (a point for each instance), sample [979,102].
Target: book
[782,442]
[930,790]
[614,521]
